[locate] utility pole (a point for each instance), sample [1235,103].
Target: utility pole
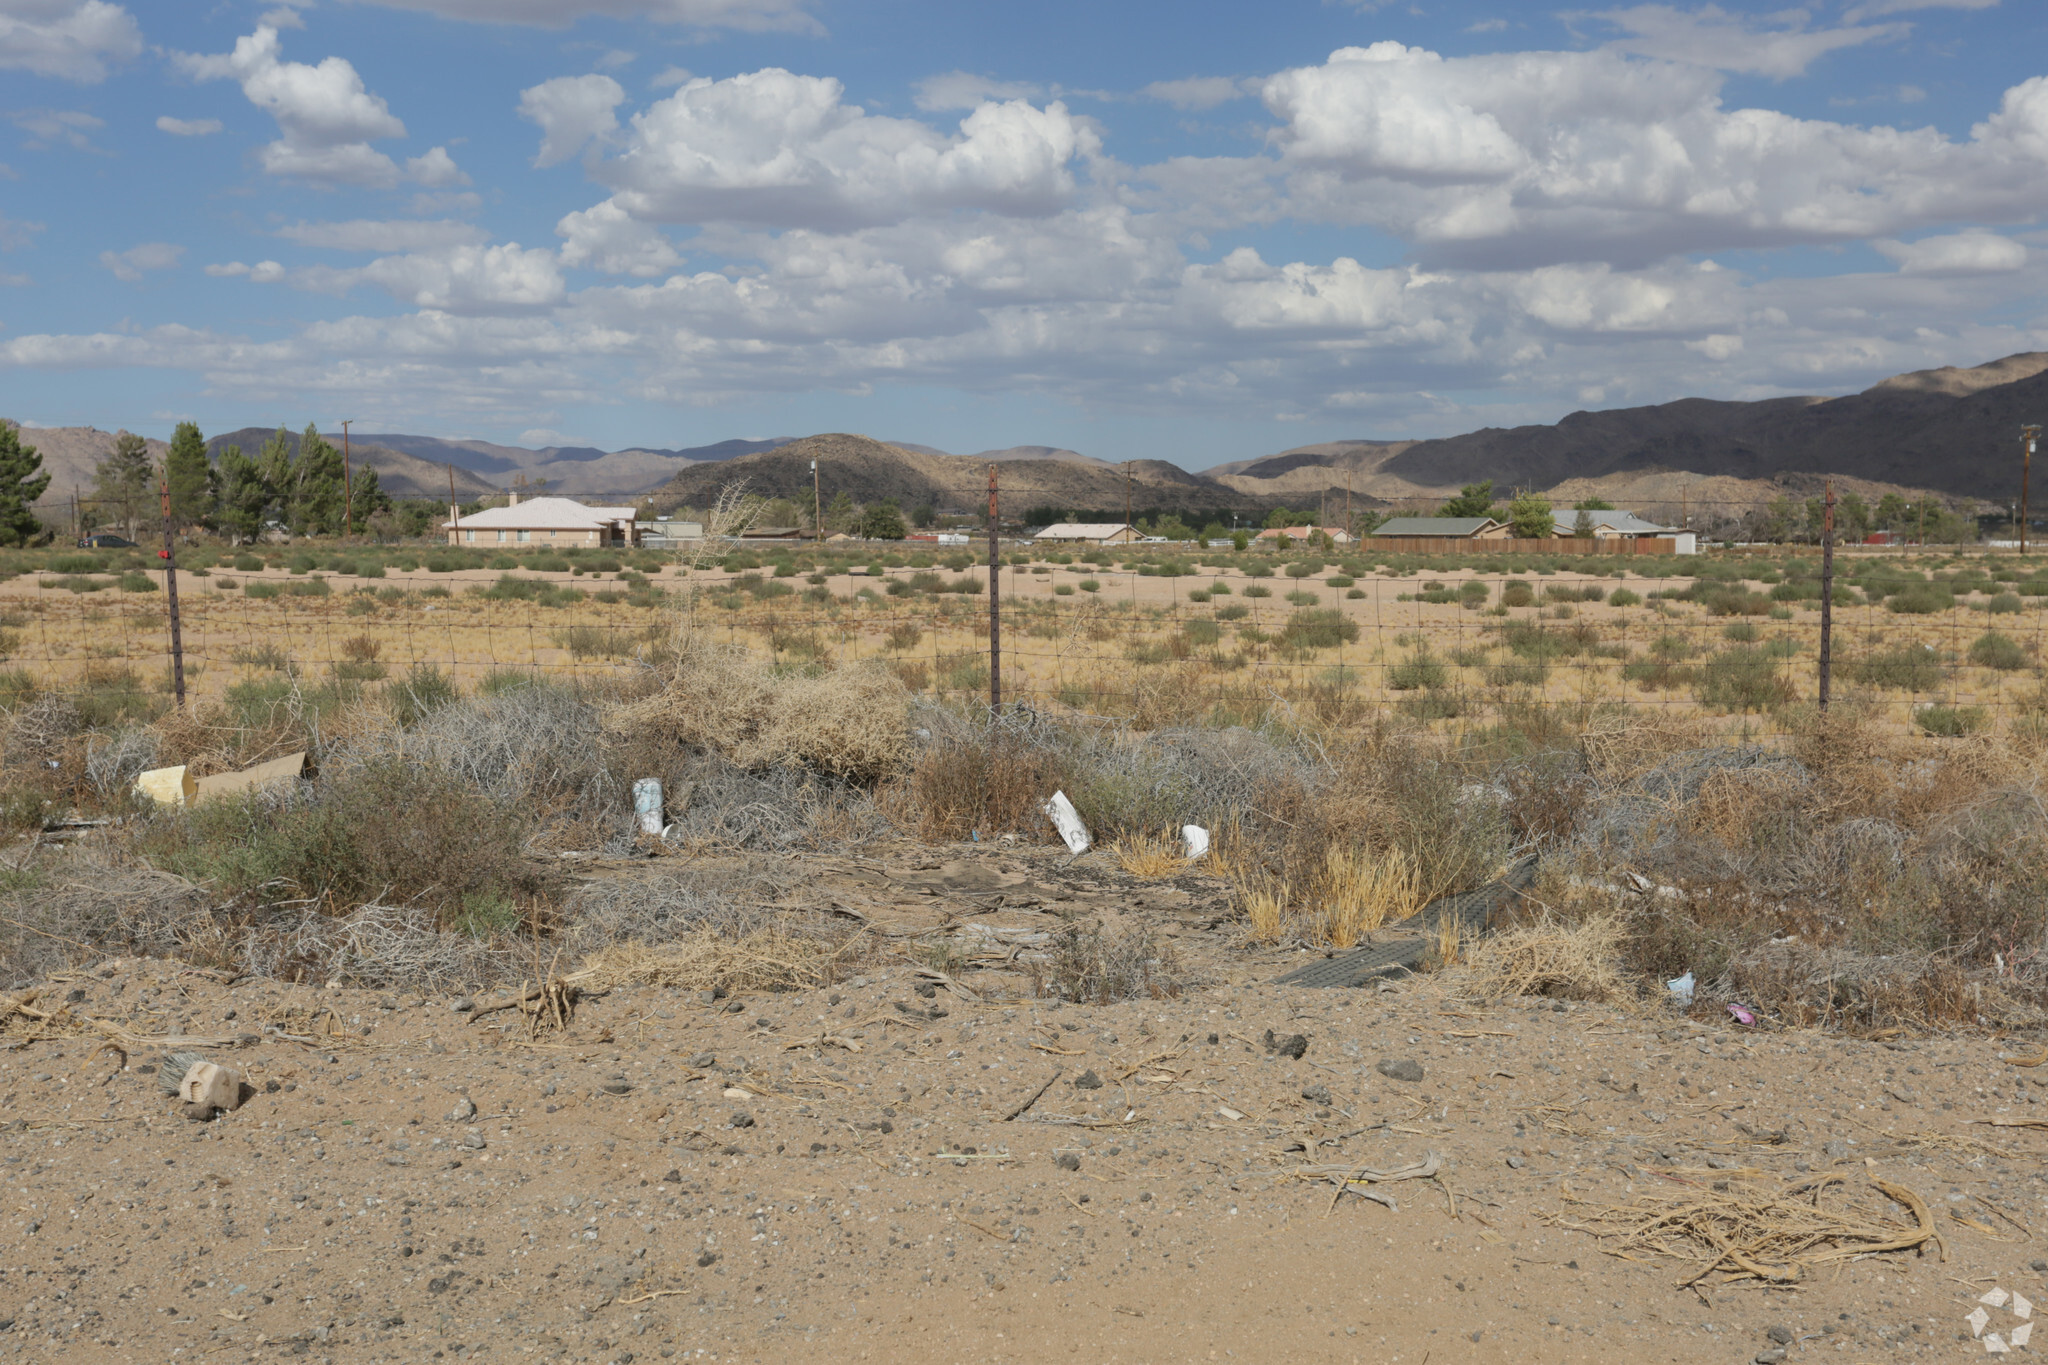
[1348,530]
[995,604]
[348,495]
[2029,435]
[1827,591]
[454,508]
[1127,492]
[817,506]
[171,600]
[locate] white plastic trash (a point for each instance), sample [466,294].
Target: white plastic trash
[1067,821]
[647,805]
[1197,839]
[1681,990]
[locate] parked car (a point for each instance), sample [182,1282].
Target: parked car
[105,540]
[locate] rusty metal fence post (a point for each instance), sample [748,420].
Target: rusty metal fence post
[171,600]
[1827,591]
[995,602]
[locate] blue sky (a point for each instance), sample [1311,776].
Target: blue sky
[1190,231]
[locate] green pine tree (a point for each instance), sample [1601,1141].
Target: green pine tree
[1473,500]
[368,498]
[21,484]
[241,497]
[316,487]
[188,473]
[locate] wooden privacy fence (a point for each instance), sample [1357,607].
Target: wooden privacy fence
[1552,545]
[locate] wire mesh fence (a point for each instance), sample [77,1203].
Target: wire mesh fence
[1140,633]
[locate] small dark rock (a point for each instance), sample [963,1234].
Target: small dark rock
[618,1085]
[706,1257]
[2041,1266]
[1318,1094]
[1287,1044]
[703,1059]
[74,995]
[1399,1069]
[927,989]
[742,1119]
[1516,1163]
[462,1005]
[1067,1161]
[1088,1080]
[674,1176]
[1771,1357]
[736,1007]
[1780,1334]
[271,1087]
[1213,1038]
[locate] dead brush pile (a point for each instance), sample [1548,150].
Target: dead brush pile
[1849,879]
[849,723]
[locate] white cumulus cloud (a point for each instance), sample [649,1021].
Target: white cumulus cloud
[571,112]
[468,280]
[325,117]
[1535,156]
[1958,253]
[132,264]
[263,272]
[605,237]
[73,40]
[772,147]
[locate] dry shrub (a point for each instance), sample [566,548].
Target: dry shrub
[994,784]
[1179,695]
[1549,957]
[1097,965]
[848,722]
[1732,801]
[768,959]
[1355,893]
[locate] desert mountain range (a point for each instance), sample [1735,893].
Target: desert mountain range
[1953,431]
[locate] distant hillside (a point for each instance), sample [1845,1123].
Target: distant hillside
[869,471]
[398,473]
[573,471]
[70,454]
[1952,430]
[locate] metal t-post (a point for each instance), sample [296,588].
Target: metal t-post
[995,604]
[1827,591]
[171,600]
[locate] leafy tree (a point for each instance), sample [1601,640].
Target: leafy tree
[240,496]
[1278,518]
[1852,519]
[883,521]
[1593,505]
[122,479]
[20,485]
[1239,541]
[1473,500]
[1891,512]
[187,471]
[1582,524]
[1531,517]
[840,513]
[923,515]
[370,499]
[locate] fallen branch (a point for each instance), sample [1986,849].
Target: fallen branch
[1033,1097]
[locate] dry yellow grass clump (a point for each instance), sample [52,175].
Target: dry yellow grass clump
[1357,893]
[849,722]
[766,959]
[1151,856]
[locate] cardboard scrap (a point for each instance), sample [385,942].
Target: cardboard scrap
[277,772]
[167,786]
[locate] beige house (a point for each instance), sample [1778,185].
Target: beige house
[1089,533]
[559,522]
[1300,534]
